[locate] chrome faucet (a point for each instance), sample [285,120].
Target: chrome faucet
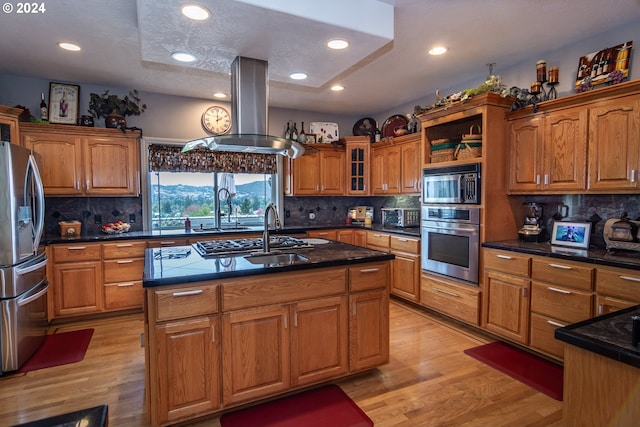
[219,211]
[265,234]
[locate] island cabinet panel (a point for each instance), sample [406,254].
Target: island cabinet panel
[319,340]
[368,330]
[616,288]
[187,369]
[368,276]
[255,353]
[260,290]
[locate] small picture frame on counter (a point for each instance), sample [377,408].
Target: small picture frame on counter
[572,234]
[63,103]
[311,138]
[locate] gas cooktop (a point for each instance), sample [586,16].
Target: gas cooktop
[211,248]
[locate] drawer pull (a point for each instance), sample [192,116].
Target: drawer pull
[124,245]
[167,243]
[556,324]
[125,285]
[560,291]
[631,279]
[562,267]
[403,240]
[126,261]
[76,248]
[504,257]
[442,291]
[369,270]
[187,293]
[378,235]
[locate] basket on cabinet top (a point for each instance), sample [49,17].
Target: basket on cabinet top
[470,146]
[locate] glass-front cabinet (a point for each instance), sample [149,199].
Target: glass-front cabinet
[358,168]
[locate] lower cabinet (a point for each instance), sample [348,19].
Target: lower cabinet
[369,330]
[456,300]
[405,278]
[616,288]
[123,264]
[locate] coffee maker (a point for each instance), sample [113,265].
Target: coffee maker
[532,229]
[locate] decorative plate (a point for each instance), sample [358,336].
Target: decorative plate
[393,122]
[364,127]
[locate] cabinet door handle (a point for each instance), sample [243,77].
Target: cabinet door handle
[546,179]
[125,261]
[633,175]
[562,267]
[631,279]
[213,333]
[187,293]
[369,270]
[76,248]
[556,324]
[537,179]
[560,291]
[442,291]
[504,257]
[295,319]
[524,292]
[354,310]
[286,321]
[601,309]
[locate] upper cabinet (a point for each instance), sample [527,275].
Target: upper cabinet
[318,174]
[358,165]
[77,161]
[9,124]
[395,165]
[583,143]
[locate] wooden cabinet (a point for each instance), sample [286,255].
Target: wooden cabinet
[368,330]
[386,164]
[616,288]
[9,129]
[451,298]
[549,152]
[323,234]
[405,277]
[358,165]
[321,173]
[77,161]
[77,279]
[507,289]
[411,169]
[345,236]
[360,238]
[123,267]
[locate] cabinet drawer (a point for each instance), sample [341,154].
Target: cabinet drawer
[618,283]
[566,304]
[405,244]
[79,252]
[323,234]
[368,276]
[378,239]
[118,296]
[186,301]
[563,272]
[542,335]
[120,270]
[507,262]
[124,250]
[162,243]
[454,300]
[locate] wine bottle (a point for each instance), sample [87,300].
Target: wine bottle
[287,133]
[377,135]
[302,137]
[294,132]
[44,111]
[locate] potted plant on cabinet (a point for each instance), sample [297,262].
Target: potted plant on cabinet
[114,109]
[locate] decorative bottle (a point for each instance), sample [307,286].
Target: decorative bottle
[294,132]
[302,137]
[287,133]
[377,135]
[44,111]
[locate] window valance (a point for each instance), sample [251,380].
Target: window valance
[170,158]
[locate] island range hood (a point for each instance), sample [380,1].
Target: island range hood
[249,115]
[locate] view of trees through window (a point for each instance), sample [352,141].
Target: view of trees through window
[176,196]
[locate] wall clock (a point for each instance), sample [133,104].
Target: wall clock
[216,120]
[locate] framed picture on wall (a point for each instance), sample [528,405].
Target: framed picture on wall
[606,65]
[63,103]
[573,234]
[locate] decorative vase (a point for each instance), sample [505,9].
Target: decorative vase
[114,120]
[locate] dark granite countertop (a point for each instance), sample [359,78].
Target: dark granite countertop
[608,335]
[97,416]
[101,237]
[623,259]
[172,265]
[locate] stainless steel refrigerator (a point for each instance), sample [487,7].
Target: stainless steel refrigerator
[23,281]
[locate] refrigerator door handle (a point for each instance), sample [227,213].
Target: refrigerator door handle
[29,269]
[39,226]
[27,299]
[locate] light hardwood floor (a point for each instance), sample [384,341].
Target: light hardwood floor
[429,381]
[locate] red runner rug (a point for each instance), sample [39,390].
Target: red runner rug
[59,349]
[322,407]
[527,368]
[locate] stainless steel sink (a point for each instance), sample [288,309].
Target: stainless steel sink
[276,258]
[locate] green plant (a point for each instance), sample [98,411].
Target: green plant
[101,105]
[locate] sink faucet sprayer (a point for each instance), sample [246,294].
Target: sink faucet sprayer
[229,206]
[265,235]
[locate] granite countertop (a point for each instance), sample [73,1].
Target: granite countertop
[608,335]
[182,264]
[133,235]
[619,258]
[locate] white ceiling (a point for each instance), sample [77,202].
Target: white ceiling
[127,44]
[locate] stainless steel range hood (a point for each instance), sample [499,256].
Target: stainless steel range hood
[249,115]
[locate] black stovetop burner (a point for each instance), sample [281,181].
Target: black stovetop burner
[211,248]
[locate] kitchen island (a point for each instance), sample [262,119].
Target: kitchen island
[223,331]
[601,371]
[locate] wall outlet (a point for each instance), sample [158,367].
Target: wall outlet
[97,219]
[132,218]
[312,215]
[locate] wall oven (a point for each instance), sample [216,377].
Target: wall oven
[459,184]
[451,241]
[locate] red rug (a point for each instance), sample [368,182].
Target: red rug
[531,370]
[59,349]
[322,407]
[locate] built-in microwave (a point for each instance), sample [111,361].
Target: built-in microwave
[459,184]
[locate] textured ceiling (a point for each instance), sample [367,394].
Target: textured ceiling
[126,43]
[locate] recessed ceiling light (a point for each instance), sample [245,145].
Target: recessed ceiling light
[220,95]
[337,88]
[437,50]
[183,57]
[337,44]
[195,12]
[69,46]
[298,76]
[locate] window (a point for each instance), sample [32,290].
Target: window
[210,199]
